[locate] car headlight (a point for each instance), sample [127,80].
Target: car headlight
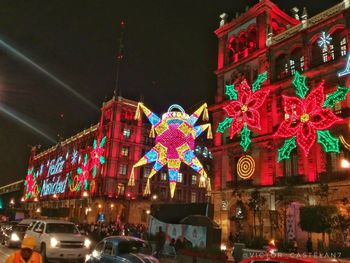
[53,242]
[14,237]
[87,243]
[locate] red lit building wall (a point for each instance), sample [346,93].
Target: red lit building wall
[276,58]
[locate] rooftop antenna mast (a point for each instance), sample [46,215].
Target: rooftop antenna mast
[120,56]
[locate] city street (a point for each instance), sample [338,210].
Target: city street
[5,252]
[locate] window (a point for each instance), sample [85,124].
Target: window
[343,47]
[205,152]
[61,228]
[292,66]
[109,249]
[193,197]
[179,178]
[282,67]
[120,189]
[39,227]
[134,246]
[123,169]
[193,179]
[291,165]
[328,53]
[125,151]
[163,176]
[302,63]
[146,172]
[126,133]
[198,150]
[178,195]
[98,249]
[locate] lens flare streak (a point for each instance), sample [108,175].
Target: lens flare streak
[20,120]
[27,60]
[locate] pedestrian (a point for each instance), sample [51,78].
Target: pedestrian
[160,241]
[26,254]
[295,245]
[231,239]
[309,245]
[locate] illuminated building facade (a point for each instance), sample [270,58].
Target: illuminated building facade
[87,174]
[257,189]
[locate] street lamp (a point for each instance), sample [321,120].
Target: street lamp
[345,164]
[154,197]
[12,202]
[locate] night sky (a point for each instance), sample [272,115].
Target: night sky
[169,57]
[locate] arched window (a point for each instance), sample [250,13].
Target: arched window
[282,67]
[232,49]
[328,53]
[339,42]
[242,45]
[252,40]
[317,54]
[296,61]
[343,47]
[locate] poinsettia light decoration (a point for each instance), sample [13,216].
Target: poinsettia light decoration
[243,109]
[97,157]
[309,117]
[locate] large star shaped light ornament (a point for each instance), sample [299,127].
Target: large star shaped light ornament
[175,138]
[242,109]
[308,117]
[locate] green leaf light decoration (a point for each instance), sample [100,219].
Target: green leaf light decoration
[231,92]
[329,143]
[288,146]
[257,83]
[245,138]
[299,83]
[224,125]
[338,95]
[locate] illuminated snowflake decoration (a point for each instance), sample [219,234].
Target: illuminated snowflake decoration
[175,138]
[308,117]
[74,157]
[324,40]
[242,109]
[96,154]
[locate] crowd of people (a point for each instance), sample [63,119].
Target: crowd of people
[98,231]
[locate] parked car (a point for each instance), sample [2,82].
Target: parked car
[124,249]
[5,228]
[13,236]
[294,258]
[59,240]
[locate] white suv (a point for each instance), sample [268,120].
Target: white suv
[58,239]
